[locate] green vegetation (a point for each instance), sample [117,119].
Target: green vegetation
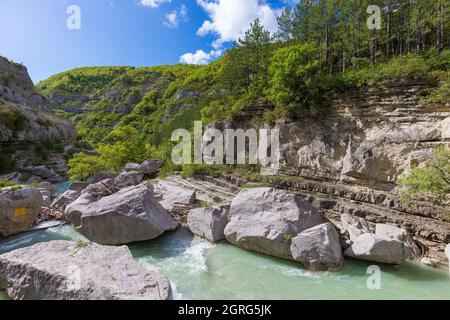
[247,65]
[442,93]
[5,79]
[121,146]
[83,144]
[323,47]
[44,122]
[5,183]
[44,148]
[80,81]
[287,238]
[430,66]
[80,244]
[291,78]
[13,119]
[339,29]
[63,114]
[430,181]
[6,163]
[36,185]
[18,65]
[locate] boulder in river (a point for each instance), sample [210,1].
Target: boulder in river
[69,196]
[19,209]
[128,179]
[371,247]
[396,233]
[318,248]
[65,199]
[209,223]
[263,219]
[66,270]
[128,215]
[354,225]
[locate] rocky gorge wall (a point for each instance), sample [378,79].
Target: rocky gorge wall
[31,113]
[347,161]
[29,130]
[367,137]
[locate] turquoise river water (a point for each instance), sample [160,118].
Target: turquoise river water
[200,270]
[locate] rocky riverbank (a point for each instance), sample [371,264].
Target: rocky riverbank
[133,206]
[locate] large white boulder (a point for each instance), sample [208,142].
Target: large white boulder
[354,225]
[19,209]
[265,219]
[170,194]
[65,199]
[128,215]
[69,196]
[399,234]
[209,223]
[318,248]
[371,247]
[66,270]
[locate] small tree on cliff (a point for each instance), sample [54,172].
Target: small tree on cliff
[431,180]
[291,77]
[247,64]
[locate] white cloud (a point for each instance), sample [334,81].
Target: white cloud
[200,57]
[230,18]
[172,20]
[152,3]
[184,11]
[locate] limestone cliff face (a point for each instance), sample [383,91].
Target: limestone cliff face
[367,137]
[347,161]
[24,114]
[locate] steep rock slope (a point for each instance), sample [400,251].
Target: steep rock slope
[368,137]
[348,160]
[25,115]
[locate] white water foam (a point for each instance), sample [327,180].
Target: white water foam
[192,260]
[175,293]
[299,272]
[195,257]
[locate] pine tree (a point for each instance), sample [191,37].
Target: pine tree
[256,46]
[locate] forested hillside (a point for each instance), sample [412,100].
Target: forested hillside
[323,48]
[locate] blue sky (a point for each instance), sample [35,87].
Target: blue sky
[124,32]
